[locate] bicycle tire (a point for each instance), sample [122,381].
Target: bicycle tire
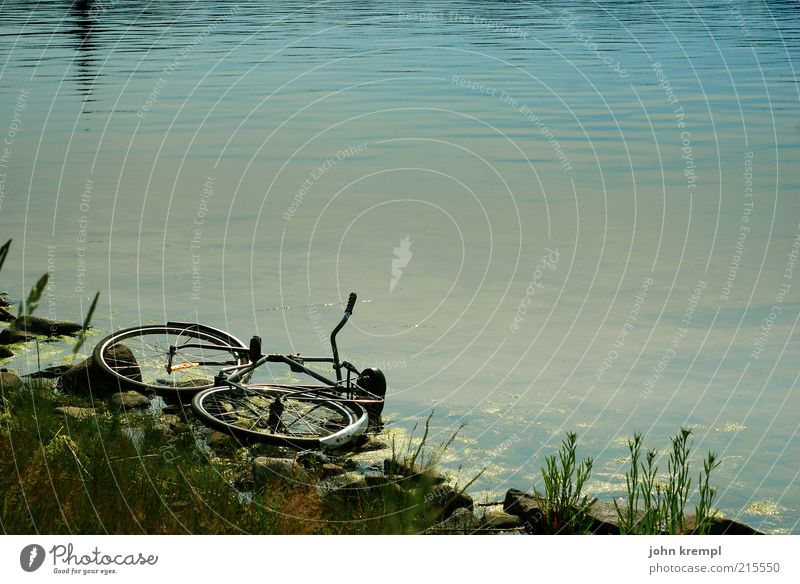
[306,421]
[149,346]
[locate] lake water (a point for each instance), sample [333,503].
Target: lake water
[558,216]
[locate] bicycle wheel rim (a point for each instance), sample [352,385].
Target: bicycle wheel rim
[149,345]
[306,421]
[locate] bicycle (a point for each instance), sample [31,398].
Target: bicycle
[179,361]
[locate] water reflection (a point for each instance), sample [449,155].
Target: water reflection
[454,120]
[84,22]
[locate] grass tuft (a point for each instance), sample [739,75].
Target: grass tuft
[564,506]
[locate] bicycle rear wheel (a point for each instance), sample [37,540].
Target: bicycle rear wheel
[138,357]
[280,415]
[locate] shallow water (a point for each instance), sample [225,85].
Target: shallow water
[547,231]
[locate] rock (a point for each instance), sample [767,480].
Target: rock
[173,422]
[383,480]
[50,372]
[605,518]
[392,466]
[9,380]
[272,451]
[600,527]
[267,470]
[347,464]
[526,508]
[461,522]
[11,336]
[88,377]
[75,412]
[444,500]
[366,443]
[331,470]
[6,316]
[5,353]
[368,486]
[500,521]
[723,526]
[130,400]
[355,487]
[44,326]
[222,443]
[310,459]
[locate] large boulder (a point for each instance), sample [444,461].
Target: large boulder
[44,326]
[89,378]
[5,353]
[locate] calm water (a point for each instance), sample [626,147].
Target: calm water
[557,215]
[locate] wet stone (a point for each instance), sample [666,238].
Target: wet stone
[130,400]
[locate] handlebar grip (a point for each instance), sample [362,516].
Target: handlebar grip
[351,303]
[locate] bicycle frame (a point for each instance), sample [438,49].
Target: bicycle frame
[233,375]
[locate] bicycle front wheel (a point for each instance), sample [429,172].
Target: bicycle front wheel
[139,357]
[280,415]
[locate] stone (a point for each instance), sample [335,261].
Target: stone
[525,507]
[6,316]
[5,353]
[368,486]
[605,517]
[500,521]
[355,487]
[311,459]
[723,526]
[267,470]
[392,466]
[445,499]
[50,372]
[88,377]
[367,443]
[461,522]
[12,336]
[44,326]
[272,451]
[222,443]
[383,480]
[130,400]
[75,412]
[331,470]
[9,380]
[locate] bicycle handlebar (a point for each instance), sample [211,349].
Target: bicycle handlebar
[351,302]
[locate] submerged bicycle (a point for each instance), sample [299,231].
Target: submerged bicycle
[182,361]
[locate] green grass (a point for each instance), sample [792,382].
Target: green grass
[663,503]
[415,499]
[564,506]
[133,474]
